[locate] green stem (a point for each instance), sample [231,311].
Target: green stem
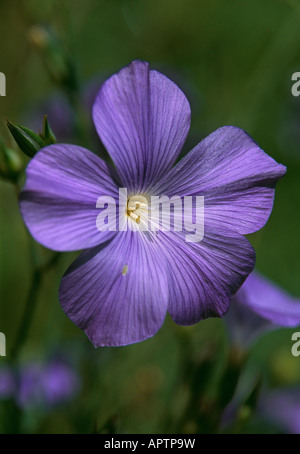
[28,313]
[30,305]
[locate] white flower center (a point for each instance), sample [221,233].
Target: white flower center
[137,208]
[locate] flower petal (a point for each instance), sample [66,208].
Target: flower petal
[244,326]
[269,301]
[234,175]
[142,119]
[118,292]
[58,201]
[203,276]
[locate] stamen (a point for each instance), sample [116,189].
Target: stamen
[137,208]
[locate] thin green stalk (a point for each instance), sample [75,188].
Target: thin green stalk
[30,306]
[31,302]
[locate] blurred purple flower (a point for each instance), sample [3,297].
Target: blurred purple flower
[259,306]
[46,385]
[282,407]
[279,408]
[59,382]
[7,382]
[29,392]
[143,120]
[60,112]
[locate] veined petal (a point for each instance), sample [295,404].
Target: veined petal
[203,276]
[269,301]
[234,175]
[58,201]
[118,292]
[142,119]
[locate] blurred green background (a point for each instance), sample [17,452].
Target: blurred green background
[234,60]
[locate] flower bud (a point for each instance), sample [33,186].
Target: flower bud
[47,134]
[10,163]
[56,59]
[29,141]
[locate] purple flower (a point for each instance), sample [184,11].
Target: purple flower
[279,407]
[7,382]
[46,385]
[59,382]
[258,306]
[30,393]
[119,290]
[282,407]
[59,111]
